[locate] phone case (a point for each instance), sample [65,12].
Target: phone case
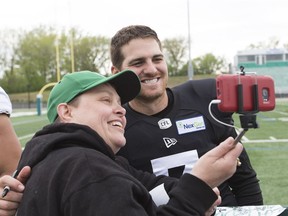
[245,93]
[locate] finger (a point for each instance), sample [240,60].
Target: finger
[13,183]
[7,212]
[24,174]
[223,148]
[234,153]
[4,179]
[12,196]
[219,200]
[8,205]
[210,211]
[216,190]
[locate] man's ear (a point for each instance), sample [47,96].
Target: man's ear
[64,112]
[114,70]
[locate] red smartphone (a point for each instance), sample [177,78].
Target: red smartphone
[259,87]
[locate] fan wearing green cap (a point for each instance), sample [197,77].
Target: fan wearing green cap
[75,170]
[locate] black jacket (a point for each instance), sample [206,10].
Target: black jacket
[75,173]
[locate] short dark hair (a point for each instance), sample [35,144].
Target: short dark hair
[124,36]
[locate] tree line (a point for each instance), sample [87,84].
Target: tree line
[31,59]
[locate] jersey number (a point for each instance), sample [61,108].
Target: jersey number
[162,165]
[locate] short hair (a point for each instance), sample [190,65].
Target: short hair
[124,36]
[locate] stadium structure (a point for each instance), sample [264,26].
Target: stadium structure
[272,62]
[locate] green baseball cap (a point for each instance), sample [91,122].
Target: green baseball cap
[126,83]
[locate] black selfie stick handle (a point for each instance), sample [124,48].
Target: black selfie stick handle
[247,118]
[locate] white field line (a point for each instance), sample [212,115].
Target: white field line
[283,113]
[24,122]
[26,136]
[266,141]
[18,114]
[272,138]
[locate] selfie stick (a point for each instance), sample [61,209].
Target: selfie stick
[247,119]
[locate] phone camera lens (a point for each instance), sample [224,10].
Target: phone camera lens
[265,94]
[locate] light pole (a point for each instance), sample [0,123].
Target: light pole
[72,50]
[190,66]
[57,59]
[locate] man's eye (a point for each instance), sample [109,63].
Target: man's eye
[158,59]
[137,64]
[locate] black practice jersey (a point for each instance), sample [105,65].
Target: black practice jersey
[172,141]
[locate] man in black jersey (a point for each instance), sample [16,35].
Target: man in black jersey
[168,130]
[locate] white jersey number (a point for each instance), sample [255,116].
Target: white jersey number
[187,159]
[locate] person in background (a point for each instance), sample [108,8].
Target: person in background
[10,148]
[168,130]
[10,151]
[75,170]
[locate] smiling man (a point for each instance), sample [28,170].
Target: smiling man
[168,130]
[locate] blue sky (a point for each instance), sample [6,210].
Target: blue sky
[221,27]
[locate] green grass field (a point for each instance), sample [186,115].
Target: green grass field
[267,147]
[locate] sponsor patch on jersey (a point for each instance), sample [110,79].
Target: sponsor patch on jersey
[164,123]
[190,125]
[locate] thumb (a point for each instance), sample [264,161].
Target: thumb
[24,174]
[223,148]
[227,149]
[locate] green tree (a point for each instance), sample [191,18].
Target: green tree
[91,53]
[184,70]
[175,52]
[37,56]
[207,64]
[9,39]
[82,52]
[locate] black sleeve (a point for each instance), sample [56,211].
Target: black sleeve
[149,180]
[191,197]
[188,195]
[114,196]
